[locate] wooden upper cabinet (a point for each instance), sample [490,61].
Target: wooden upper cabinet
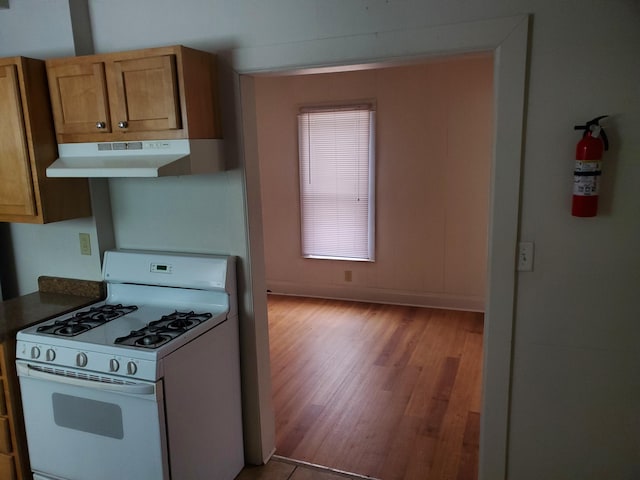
[151,94]
[16,186]
[28,147]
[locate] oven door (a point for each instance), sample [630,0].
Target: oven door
[80,429]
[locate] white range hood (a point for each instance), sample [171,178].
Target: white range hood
[146,158]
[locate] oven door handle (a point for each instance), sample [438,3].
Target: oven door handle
[25,370]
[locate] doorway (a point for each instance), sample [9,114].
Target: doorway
[508,39]
[434,143]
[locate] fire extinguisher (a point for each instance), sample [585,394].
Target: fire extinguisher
[587,171]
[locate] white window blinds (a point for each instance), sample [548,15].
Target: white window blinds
[336,153]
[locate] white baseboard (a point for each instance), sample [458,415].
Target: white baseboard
[379,295]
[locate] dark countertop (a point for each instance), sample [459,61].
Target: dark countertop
[20,312]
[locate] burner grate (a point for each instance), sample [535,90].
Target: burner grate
[159,332]
[85,320]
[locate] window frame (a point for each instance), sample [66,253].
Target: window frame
[370,108]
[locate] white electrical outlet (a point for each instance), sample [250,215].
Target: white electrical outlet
[525,256]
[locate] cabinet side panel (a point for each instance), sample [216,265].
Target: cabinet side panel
[199,91]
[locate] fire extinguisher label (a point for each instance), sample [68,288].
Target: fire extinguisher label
[586,178]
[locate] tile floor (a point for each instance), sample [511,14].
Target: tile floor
[280,468]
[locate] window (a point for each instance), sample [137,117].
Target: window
[336,154]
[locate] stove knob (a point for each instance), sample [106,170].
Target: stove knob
[114,366]
[132,368]
[35,352]
[51,355]
[81,360]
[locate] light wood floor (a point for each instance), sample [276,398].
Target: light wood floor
[390,392]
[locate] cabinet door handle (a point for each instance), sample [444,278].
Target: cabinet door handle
[100,125]
[123,124]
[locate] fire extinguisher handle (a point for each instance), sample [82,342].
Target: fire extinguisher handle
[587,128]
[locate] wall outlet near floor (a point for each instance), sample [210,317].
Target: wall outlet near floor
[525,256]
[85,244]
[347,275]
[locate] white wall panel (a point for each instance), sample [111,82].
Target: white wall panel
[36,29]
[54,250]
[188,214]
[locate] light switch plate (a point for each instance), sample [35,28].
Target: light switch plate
[85,244]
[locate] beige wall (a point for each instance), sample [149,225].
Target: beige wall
[433,154]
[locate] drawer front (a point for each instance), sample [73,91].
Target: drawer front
[5,437]
[7,468]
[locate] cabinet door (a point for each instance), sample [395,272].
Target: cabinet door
[79,98]
[5,436]
[7,467]
[16,185]
[143,94]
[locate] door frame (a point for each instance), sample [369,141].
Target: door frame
[508,39]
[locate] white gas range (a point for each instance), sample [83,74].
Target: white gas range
[143,385]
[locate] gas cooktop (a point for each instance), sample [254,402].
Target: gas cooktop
[152,335]
[156,303]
